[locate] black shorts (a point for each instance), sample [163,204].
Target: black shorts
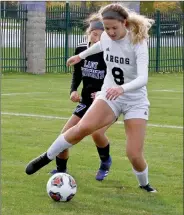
[81,109]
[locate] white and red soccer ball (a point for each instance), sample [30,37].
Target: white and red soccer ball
[61,187]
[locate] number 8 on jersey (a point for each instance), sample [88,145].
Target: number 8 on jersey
[118,75]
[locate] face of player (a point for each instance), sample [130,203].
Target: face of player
[95,36]
[115,29]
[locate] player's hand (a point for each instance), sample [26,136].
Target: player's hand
[114,92]
[73,60]
[75,97]
[93,95]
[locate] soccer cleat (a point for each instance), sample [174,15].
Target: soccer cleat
[104,169]
[148,188]
[37,163]
[54,171]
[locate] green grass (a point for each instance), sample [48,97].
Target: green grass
[170,59]
[23,138]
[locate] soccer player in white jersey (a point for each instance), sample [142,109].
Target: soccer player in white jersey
[124,44]
[91,72]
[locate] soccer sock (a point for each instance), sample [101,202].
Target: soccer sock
[103,153]
[59,145]
[142,177]
[61,164]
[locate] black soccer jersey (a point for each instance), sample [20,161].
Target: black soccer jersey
[91,71]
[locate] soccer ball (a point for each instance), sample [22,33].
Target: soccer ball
[61,187]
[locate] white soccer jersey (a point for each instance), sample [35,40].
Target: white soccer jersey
[127,64]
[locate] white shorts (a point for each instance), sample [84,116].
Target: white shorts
[131,108]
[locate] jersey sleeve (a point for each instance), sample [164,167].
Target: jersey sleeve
[94,49]
[76,75]
[141,53]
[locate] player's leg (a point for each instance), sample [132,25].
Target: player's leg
[135,128]
[62,157]
[99,115]
[103,148]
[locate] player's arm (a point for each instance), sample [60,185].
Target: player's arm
[141,51]
[76,75]
[94,49]
[76,80]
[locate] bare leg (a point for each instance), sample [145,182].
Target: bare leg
[98,116]
[135,132]
[62,158]
[71,122]
[100,138]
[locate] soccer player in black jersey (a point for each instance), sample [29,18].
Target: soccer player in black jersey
[91,72]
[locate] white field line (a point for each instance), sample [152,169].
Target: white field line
[34,115]
[167,98]
[66,118]
[169,91]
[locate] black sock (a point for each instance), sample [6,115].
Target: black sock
[104,153]
[61,164]
[45,158]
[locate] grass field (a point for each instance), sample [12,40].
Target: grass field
[28,100]
[170,59]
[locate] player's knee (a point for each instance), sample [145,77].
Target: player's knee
[97,136]
[84,129]
[134,155]
[134,159]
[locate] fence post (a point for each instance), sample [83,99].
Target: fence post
[23,22]
[67,33]
[35,37]
[157,40]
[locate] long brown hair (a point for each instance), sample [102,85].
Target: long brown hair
[138,25]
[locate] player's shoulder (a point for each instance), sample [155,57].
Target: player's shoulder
[141,46]
[81,47]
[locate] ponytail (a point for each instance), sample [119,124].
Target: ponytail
[138,27]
